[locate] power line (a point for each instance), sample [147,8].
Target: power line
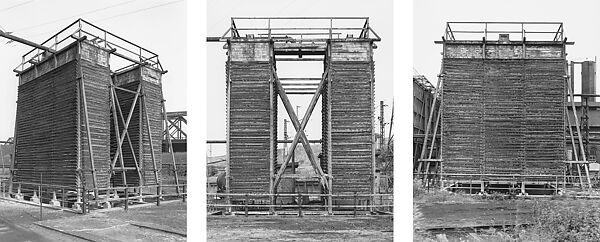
[76,15]
[137,11]
[114,16]
[16,5]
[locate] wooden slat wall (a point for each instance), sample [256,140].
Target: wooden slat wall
[462,126]
[152,90]
[350,99]
[503,116]
[50,126]
[96,76]
[249,120]
[153,97]
[129,80]
[46,128]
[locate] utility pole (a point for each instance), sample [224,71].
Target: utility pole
[2,157]
[381,125]
[294,157]
[285,136]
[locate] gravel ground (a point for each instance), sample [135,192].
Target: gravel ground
[110,225]
[292,228]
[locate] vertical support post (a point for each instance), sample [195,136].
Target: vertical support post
[184,193]
[126,207]
[272,137]
[87,121]
[246,205]
[228,162]
[41,197]
[482,187]
[170,144]
[63,204]
[300,205]
[145,111]
[556,187]
[355,198]
[583,155]
[428,126]
[158,195]
[84,200]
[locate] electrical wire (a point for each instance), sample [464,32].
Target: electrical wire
[76,15]
[14,6]
[137,11]
[114,16]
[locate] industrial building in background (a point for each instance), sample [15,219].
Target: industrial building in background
[90,122]
[507,111]
[345,170]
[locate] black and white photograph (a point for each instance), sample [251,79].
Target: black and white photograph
[93,141]
[505,121]
[299,120]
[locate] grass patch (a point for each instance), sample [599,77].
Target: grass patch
[435,195]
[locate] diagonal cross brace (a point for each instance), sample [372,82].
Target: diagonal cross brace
[300,136]
[125,129]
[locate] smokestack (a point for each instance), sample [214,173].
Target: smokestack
[588,79]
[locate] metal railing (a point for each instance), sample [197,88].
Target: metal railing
[119,47]
[354,202]
[546,31]
[82,200]
[285,29]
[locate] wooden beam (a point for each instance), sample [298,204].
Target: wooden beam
[300,129]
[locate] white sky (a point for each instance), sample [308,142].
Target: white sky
[218,21]
[430,17]
[157,25]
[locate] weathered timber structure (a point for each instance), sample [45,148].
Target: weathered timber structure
[504,115]
[347,161]
[82,127]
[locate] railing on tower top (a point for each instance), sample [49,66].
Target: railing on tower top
[531,31]
[120,47]
[299,29]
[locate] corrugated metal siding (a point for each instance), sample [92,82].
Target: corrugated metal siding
[351,108]
[503,117]
[249,121]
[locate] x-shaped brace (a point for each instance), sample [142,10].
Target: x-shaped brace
[124,133]
[300,136]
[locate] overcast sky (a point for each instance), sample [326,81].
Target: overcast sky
[218,21]
[430,16]
[157,25]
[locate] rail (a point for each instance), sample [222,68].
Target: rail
[532,31]
[286,29]
[81,200]
[360,202]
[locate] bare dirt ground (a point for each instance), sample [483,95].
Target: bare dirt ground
[149,223]
[293,228]
[489,220]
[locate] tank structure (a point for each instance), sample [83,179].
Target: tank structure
[347,161]
[72,95]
